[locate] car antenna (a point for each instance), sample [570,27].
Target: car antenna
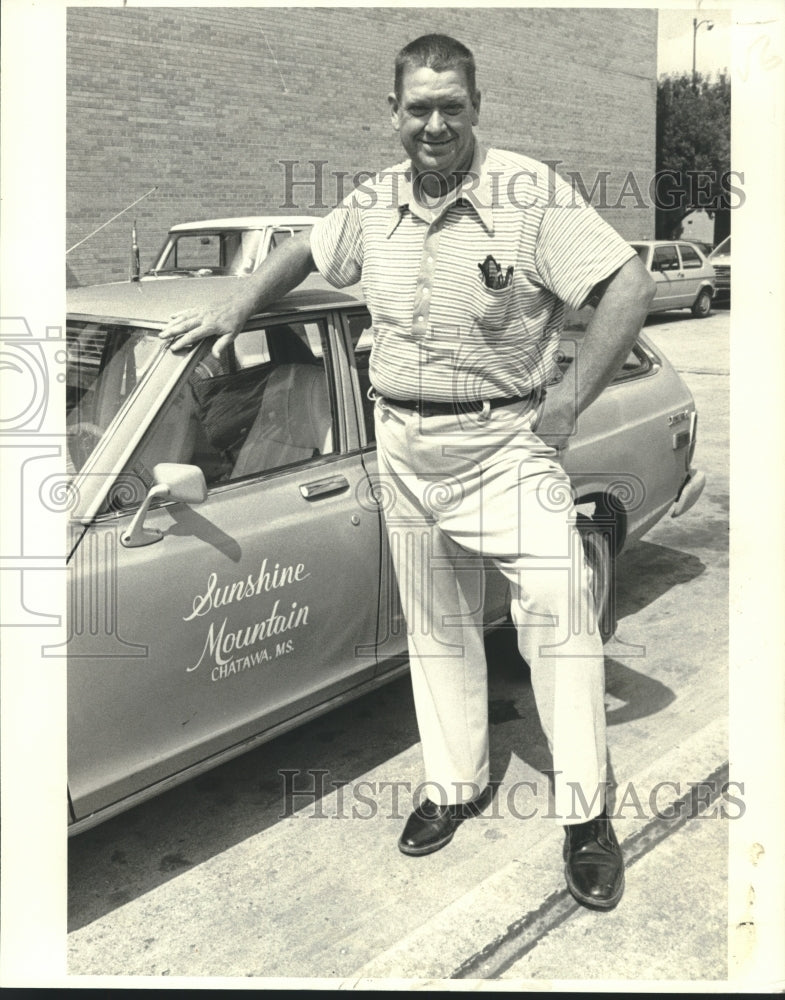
[135,268]
[105,224]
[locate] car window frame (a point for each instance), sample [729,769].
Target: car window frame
[141,386]
[699,259]
[338,427]
[367,441]
[100,509]
[649,364]
[262,323]
[676,258]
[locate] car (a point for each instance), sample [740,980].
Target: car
[704,247]
[683,276]
[229,577]
[233,246]
[719,258]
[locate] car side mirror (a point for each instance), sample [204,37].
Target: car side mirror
[184,483]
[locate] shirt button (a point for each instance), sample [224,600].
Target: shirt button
[425,291]
[419,319]
[430,260]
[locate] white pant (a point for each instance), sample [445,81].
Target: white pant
[457,489]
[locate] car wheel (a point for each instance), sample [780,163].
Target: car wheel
[601,562]
[701,307]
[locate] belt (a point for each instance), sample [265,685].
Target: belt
[426,408]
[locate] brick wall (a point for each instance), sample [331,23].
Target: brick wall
[204,103]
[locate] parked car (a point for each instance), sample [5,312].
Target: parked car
[684,277]
[719,258]
[229,575]
[223,246]
[704,247]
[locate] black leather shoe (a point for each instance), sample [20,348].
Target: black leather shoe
[431,827]
[594,866]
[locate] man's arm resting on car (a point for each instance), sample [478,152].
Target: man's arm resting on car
[621,305]
[281,271]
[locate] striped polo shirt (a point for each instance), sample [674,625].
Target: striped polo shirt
[440,334]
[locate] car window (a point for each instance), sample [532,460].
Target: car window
[194,251]
[665,259]
[689,256]
[637,362]
[230,252]
[722,249]
[240,250]
[264,406]
[361,331]
[285,233]
[105,362]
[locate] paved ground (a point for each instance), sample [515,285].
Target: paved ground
[211,880]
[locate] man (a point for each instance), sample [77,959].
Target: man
[468,258]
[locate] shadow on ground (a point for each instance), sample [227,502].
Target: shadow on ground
[133,854]
[139,850]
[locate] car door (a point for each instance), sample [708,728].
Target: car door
[254,607]
[692,271]
[667,273]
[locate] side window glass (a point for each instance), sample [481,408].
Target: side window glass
[194,252]
[286,233]
[105,363]
[240,250]
[265,405]
[361,330]
[665,259]
[637,363]
[279,237]
[689,257]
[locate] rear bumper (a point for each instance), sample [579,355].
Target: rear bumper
[690,491]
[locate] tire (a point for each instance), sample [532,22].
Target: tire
[701,307]
[600,559]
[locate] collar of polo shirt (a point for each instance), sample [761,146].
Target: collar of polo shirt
[477,192]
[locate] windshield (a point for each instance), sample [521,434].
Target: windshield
[723,249]
[232,252]
[105,362]
[204,252]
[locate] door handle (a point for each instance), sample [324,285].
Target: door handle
[323,487]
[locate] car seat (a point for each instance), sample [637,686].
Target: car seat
[293,424]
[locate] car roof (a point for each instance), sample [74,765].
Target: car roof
[245,222]
[657,243]
[155,301]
